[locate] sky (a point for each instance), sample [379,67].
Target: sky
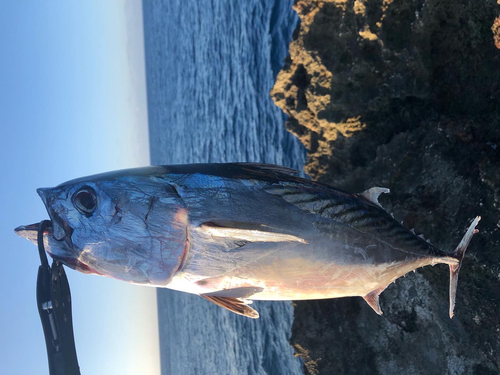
[72,103]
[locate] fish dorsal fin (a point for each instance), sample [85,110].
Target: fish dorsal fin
[268,168]
[372,299]
[235,305]
[247,232]
[373,193]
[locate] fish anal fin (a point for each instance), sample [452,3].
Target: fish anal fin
[373,193]
[372,299]
[233,304]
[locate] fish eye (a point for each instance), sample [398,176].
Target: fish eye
[85,200]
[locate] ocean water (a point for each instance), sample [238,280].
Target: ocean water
[209,67]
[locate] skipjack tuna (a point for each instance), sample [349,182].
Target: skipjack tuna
[233,233]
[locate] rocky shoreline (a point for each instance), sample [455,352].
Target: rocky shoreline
[406,95]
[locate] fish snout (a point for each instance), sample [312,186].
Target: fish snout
[45,194]
[60,229]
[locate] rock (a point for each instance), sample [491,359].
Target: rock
[406,95]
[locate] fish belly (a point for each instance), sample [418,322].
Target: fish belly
[287,271]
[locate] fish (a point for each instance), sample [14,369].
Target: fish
[233,233]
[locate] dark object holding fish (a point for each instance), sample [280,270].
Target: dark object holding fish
[233,233]
[53,298]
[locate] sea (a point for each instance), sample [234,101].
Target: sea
[209,68]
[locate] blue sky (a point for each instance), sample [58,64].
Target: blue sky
[72,103]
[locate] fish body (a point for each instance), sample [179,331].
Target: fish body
[234,233]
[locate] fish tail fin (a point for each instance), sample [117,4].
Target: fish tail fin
[459,255]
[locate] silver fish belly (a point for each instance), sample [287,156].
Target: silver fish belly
[233,233]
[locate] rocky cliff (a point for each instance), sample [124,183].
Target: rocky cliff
[404,94]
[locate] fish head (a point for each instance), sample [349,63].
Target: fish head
[129,228]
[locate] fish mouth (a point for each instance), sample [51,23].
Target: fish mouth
[64,234]
[61,230]
[58,228]
[30,227]
[30,232]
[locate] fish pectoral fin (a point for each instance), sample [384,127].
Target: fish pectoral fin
[373,193]
[247,232]
[235,305]
[372,299]
[235,300]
